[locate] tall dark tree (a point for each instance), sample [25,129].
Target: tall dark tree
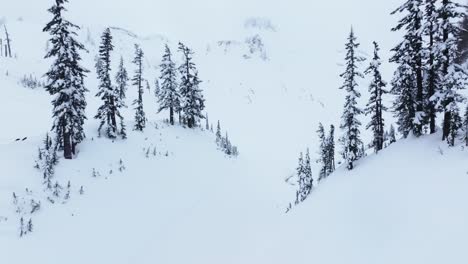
[408,54]
[375,106]
[331,150]
[193,102]
[453,75]
[168,96]
[108,111]
[350,124]
[121,78]
[465,126]
[66,81]
[140,117]
[432,66]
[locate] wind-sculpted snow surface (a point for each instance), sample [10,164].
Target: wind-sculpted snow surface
[270,73]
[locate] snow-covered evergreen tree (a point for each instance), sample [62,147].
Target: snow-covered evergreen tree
[392,134]
[465,126]
[331,151]
[432,65]
[375,106]
[218,133]
[108,111]
[323,155]
[350,124]
[121,79]
[193,102]
[408,78]
[453,76]
[140,117]
[168,96]
[305,179]
[65,81]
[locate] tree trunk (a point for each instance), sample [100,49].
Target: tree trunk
[171,115]
[67,145]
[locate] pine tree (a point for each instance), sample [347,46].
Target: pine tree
[192,98]
[392,134]
[121,79]
[305,179]
[323,160]
[350,123]
[65,81]
[453,75]
[408,79]
[218,133]
[432,66]
[331,151]
[465,126]
[207,124]
[140,119]
[109,95]
[157,89]
[375,105]
[168,96]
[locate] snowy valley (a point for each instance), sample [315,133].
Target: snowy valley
[269,73]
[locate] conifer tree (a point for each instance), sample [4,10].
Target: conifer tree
[305,179]
[109,94]
[65,81]
[453,75]
[218,133]
[331,151]
[323,160]
[375,105]
[465,126]
[121,79]
[168,96]
[432,66]
[350,123]
[392,134]
[140,118]
[408,79]
[157,89]
[193,102]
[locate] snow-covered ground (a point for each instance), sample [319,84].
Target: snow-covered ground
[190,203]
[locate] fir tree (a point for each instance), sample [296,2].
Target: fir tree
[122,82]
[65,81]
[192,97]
[350,123]
[465,126]
[109,95]
[408,79]
[375,105]
[432,68]
[218,133]
[305,179]
[453,75]
[331,151]
[168,96]
[323,160]
[207,124]
[140,119]
[392,134]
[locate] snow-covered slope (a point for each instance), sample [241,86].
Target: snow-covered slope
[270,79]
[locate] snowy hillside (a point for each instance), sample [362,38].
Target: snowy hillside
[270,73]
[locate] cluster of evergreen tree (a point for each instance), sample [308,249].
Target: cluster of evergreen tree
[428,78]
[46,161]
[224,143]
[183,96]
[112,96]
[326,151]
[304,178]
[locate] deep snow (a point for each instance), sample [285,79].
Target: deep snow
[405,205]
